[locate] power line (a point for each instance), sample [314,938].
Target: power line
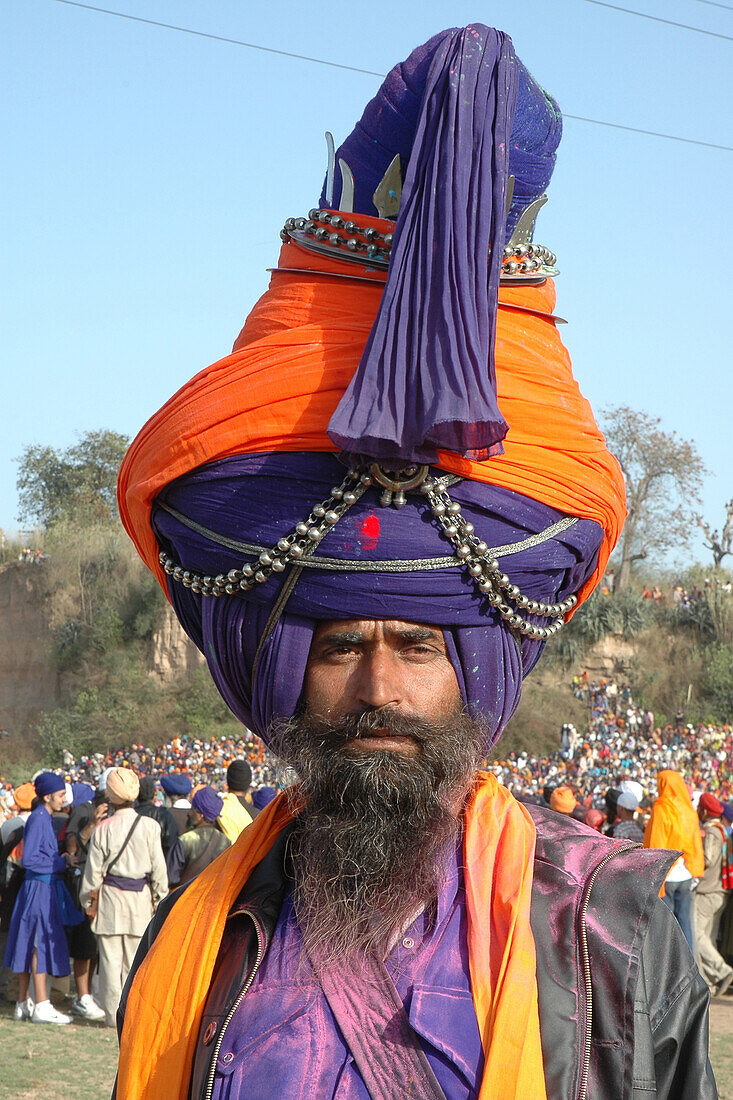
[650,133]
[714,4]
[367,72]
[657,19]
[217,37]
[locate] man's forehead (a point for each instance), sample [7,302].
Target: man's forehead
[372,628]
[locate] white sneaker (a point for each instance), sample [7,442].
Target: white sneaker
[23,1009]
[45,1013]
[87,1007]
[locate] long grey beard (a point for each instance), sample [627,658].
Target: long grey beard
[370,839]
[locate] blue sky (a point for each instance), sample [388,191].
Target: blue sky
[147,174]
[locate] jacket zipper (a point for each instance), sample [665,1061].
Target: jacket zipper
[585,1069]
[240,997]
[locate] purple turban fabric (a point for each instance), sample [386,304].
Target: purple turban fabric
[448,110]
[256,499]
[389,121]
[48,783]
[263,796]
[176,785]
[207,803]
[81,793]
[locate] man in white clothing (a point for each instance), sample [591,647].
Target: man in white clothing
[126,874]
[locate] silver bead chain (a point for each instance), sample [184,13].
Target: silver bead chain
[484,570]
[375,245]
[290,549]
[521,259]
[472,554]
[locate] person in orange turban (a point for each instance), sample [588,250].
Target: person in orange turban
[371,517]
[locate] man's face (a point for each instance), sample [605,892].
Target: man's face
[56,801]
[356,666]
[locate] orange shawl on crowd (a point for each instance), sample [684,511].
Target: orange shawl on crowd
[674,824]
[297,354]
[168,995]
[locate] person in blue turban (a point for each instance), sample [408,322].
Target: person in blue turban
[176,789]
[204,841]
[37,941]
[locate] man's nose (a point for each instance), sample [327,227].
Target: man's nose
[379,681]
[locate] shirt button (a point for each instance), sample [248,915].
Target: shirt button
[226,1059]
[408,942]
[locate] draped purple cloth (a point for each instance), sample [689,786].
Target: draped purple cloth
[259,498]
[426,380]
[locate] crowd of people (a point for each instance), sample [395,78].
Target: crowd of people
[139,821]
[84,866]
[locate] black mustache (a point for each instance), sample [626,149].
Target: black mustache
[353,726]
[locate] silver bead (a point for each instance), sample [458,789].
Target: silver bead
[463,552]
[265,558]
[278,565]
[352,244]
[169,566]
[388,240]
[314,214]
[351,227]
[325,217]
[283,544]
[337,221]
[260,577]
[233,575]
[178,573]
[451,530]
[468,528]
[349,497]
[321,233]
[245,584]
[367,480]
[208,581]
[370,233]
[331,517]
[336,494]
[296,551]
[247,570]
[513,591]
[314,534]
[334,238]
[319,511]
[438,509]
[481,548]
[186,579]
[230,589]
[301,528]
[485,587]
[475,569]
[453,508]
[510,267]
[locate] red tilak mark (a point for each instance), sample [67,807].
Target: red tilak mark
[369,532]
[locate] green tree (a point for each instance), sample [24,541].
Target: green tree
[663,476]
[77,483]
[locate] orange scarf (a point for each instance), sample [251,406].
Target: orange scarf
[674,824]
[167,998]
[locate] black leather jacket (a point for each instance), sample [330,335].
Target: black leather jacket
[623,1009]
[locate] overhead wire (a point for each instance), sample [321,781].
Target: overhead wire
[372,72]
[658,19]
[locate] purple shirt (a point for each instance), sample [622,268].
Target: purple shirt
[283,1039]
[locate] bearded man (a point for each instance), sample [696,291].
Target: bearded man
[370,518]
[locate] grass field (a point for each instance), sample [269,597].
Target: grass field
[54,1063]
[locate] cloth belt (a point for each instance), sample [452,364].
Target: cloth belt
[122,882]
[39,876]
[70,915]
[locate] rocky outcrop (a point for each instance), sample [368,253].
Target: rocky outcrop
[29,681]
[173,653]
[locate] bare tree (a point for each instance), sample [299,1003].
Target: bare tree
[719,545]
[663,476]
